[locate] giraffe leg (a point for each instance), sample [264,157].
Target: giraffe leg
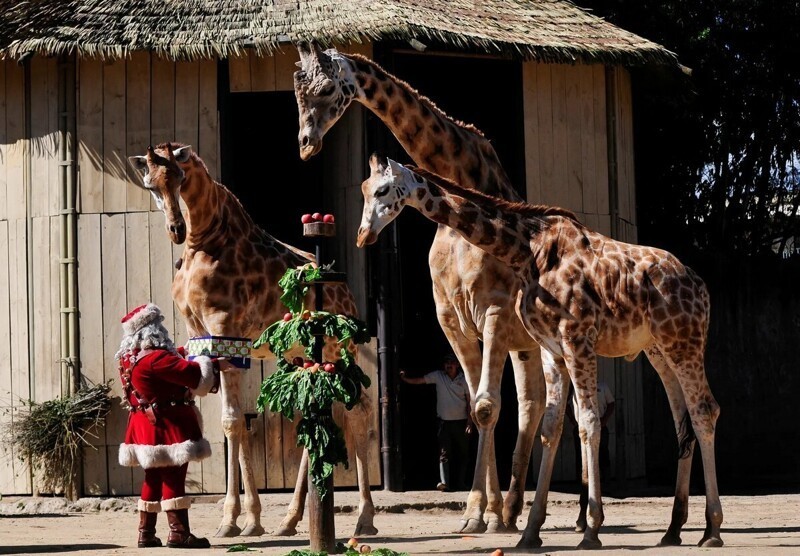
[469,355]
[686,359]
[686,442]
[486,408]
[582,364]
[231,419]
[294,514]
[252,503]
[530,401]
[359,420]
[556,383]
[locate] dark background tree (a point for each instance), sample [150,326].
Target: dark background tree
[717,166]
[716,151]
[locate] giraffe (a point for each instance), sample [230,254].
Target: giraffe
[580,295]
[227,285]
[469,307]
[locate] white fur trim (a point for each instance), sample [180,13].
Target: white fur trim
[144,316]
[207,376]
[149,507]
[133,455]
[179,503]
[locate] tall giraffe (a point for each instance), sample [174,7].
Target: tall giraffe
[469,306]
[580,295]
[227,285]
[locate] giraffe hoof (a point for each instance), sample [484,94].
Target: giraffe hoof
[252,530]
[590,544]
[365,529]
[285,530]
[472,526]
[530,542]
[228,531]
[670,540]
[710,542]
[495,526]
[511,527]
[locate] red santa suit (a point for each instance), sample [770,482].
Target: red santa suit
[164,426]
[164,432]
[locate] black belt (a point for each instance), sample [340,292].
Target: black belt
[161,405]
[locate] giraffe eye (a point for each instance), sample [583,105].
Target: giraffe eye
[382,191]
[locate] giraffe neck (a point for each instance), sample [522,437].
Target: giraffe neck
[431,138]
[206,201]
[481,222]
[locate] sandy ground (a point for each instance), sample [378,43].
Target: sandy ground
[413,522]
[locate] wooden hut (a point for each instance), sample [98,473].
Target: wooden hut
[85,84]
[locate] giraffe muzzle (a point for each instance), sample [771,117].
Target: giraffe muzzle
[309,147]
[365,237]
[177,232]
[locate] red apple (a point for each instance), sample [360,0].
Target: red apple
[297,361]
[308,364]
[329,368]
[287,317]
[328,218]
[316,217]
[306,219]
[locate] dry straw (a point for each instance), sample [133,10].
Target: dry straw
[51,435]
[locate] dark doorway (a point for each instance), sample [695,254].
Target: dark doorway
[487,93]
[261,163]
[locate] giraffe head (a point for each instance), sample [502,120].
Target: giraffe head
[324,86]
[386,192]
[163,177]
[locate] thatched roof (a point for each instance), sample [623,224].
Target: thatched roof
[548,30]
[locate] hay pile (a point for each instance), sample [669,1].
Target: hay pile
[50,436]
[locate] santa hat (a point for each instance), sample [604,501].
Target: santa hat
[141,317]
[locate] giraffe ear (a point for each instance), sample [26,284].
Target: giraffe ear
[139,163]
[377,163]
[394,168]
[182,154]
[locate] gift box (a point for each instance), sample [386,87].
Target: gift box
[236,350]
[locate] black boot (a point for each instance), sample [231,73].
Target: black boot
[147,530]
[179,534]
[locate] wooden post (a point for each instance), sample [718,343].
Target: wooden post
[321,528]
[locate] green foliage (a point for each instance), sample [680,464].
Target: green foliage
[295,283]
[240,548]
[313,391]
[716,151]
[347,551]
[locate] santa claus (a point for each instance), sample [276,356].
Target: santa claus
[164,432]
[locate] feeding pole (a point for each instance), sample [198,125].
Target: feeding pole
[322,532]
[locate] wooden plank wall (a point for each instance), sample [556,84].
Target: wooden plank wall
[566,145]
[125,256]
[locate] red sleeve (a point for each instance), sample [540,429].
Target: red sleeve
[176,369]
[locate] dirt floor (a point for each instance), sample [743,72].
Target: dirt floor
[413,522]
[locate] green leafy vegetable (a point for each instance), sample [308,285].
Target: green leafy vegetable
[313,391]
